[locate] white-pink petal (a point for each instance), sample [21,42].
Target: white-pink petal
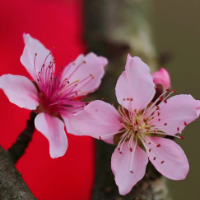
[53,129]
[87,70]
[120,164]
[97,119]
[20,91]
[171,160]
[28,59]
[179,111]
[135,82]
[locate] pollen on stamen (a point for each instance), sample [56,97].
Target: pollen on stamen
[84,61]
[177,128]
[182,138]
[174,91]
[149,150]
[185,123]
[165,101]
[158,108]
[162,162]
[161,98]
[159,119]
[158,145]
[131,99]
[158,113]
[131,172]
[35,54]
[154,158]
[120,152]
[165,124]
[168,90]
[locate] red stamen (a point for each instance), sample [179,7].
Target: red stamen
[177,128]
[149,150]
[131,172]
[185,123]
[154,158]
[158,113]
[165,124]
[159,119]
[162,162]
[165,101]
[158,145]
[182,137]
[174,91]
[100,137]
[161,98]
[131,149]
[168,90]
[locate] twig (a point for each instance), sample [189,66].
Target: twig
[19,147]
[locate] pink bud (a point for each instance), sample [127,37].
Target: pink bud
[162,77]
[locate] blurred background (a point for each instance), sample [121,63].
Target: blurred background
[176,29]
[60,23]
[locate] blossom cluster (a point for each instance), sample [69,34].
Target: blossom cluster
[138,127]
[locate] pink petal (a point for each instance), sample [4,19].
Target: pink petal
[20,91]
[162,77]
[179,111]
[97,119]
[175,165]
[27,58]
[120,164]
[53,129]
[91,67]
[135,82]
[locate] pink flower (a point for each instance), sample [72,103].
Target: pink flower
[161,77]
[138,127]
[55,98]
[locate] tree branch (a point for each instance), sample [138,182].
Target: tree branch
[19,147]
[12,186]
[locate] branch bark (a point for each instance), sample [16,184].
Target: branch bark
[114,28]
[19,147]
[12,186]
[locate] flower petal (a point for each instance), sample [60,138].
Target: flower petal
[53,129]
[179,111]
[175,165]
[32,47]
[97,119]
[20,91]
[120,164]
[162,77]
[135,82]
[87,71]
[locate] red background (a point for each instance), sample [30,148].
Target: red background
[56,23]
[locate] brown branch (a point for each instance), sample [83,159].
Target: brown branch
[19,147]
[12,186]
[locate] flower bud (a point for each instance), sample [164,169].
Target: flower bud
[162,77]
